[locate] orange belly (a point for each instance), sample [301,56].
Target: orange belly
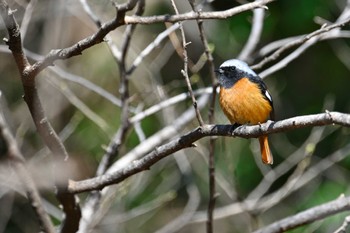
[244,103]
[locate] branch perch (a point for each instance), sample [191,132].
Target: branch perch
[188,139]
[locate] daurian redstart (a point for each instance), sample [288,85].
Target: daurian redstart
[245,100]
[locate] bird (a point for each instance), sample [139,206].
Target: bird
[245,100]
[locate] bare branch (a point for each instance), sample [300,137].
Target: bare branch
[85,43]
[308,216]
[28,80]
[14,41]
[185,70]
[118,139]
[122,19]
[45,130]
[188,139]
[211,161]
[196,15]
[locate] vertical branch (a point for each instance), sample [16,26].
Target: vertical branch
[118,139]
[14,41]
[212,188]
[45,130]
[92,204]
[211,117]
[41,122]
[185,70]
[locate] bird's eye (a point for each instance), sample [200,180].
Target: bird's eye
[232,68]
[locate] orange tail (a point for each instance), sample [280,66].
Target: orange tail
[266,155]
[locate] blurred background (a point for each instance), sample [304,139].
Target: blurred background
[311,166]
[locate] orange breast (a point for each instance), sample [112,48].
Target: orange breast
[244,103]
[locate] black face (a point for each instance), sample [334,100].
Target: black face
[229,75]
[226,71]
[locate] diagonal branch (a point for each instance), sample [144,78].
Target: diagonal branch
[313,214]
[45,130]
[299,41]
[80,46]
[16,159]
[188,139]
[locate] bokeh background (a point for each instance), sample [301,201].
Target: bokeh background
[316,81]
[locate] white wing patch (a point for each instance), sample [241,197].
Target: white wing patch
[267,94]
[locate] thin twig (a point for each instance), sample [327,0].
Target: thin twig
[185,70]
[88,42]
[159,137]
